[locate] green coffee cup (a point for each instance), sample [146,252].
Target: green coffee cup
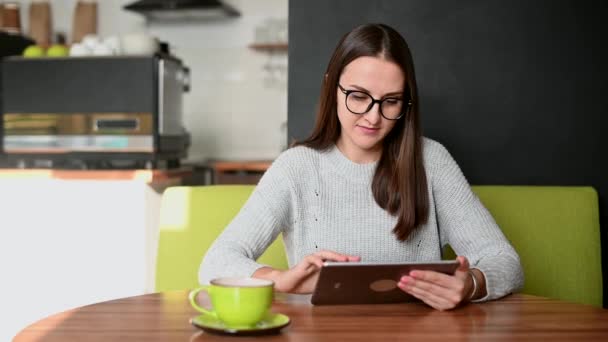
[237,302]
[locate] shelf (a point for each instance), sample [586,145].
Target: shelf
[238,172]
[269,47]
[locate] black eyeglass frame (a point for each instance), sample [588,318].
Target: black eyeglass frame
[374,101]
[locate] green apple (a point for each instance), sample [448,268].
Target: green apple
[57,50]
[33,51]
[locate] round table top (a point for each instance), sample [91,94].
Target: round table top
[166,317]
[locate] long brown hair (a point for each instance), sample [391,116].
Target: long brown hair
[399,185]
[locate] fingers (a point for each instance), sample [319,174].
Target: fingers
[464,263]
[320,257]
[313,260]
[429,298]
[295,280]
[441,291]
[449,294]
[333,256]
[463,270]
[444,281]
[302,277]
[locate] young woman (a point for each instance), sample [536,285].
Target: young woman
[367,186]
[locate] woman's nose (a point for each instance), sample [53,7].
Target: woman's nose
[373,115]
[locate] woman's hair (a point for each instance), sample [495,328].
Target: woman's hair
[399,185]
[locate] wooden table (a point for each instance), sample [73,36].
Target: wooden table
[164,317]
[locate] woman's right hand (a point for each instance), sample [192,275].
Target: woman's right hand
[302,278]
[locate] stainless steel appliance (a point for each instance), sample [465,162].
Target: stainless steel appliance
[94,112]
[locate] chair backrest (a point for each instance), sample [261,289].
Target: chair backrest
[556,232]
[191,217]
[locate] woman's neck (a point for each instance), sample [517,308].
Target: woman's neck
[358,155]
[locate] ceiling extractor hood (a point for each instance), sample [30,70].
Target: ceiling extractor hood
[182,10]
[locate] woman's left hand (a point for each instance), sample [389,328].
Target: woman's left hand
[441,291]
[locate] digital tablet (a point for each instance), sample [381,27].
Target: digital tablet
[369,283]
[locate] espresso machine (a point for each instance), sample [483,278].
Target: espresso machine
[94,112]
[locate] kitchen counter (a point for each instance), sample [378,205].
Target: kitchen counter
[237,171]
[240,165]
[147,176]
[75,237]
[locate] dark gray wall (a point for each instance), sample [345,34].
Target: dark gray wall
[516,90]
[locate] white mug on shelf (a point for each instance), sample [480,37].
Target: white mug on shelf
[139,44]
[102,49]
[113,42]
[90,41]
[78,50]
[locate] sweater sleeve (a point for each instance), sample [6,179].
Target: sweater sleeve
[265,214]
[470,228]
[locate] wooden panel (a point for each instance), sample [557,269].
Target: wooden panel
[238,172]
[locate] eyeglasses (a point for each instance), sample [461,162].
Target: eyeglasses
[359,102]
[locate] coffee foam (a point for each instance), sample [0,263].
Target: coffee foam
[241,282]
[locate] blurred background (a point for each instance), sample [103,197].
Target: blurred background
[106,103]
[236,52]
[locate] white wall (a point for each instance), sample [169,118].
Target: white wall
[231,112]
[69,243]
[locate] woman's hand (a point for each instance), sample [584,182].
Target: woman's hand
[441,291]
[301,278]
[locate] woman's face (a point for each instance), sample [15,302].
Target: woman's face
[361,135]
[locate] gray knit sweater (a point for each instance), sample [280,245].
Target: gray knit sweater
[322,200]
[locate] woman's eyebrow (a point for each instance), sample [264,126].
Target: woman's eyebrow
[367,91]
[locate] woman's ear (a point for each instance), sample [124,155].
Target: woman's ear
[325,78]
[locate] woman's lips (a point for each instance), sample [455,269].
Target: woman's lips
[368,130]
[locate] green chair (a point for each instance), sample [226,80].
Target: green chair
[556,232]
[190,220]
